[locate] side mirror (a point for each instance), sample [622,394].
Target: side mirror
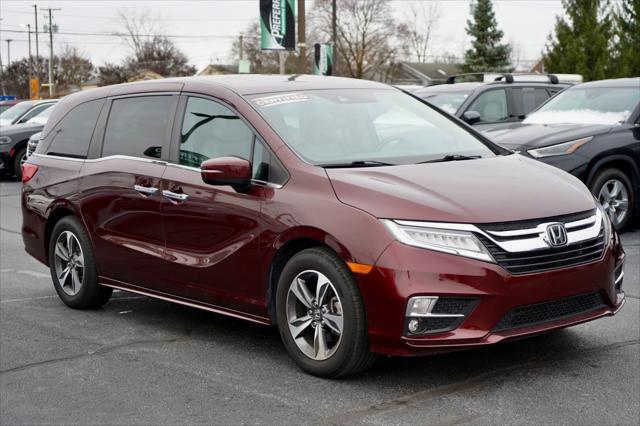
[232,171]
[471,117]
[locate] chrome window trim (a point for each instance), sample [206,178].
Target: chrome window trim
[524,244]
[253,181]
[107,158]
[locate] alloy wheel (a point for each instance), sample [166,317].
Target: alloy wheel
[314,315]
[69,263]
[614,198]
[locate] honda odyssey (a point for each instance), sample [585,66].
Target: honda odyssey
[356,218]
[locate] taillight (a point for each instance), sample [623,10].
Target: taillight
[28,171]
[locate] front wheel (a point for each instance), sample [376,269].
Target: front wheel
[614,192]
[321,315]
[72,266]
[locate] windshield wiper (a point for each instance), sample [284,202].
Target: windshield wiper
[455,157]
[359,163]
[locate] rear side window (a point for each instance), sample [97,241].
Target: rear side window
[72,135]
[526,99]
[137,127]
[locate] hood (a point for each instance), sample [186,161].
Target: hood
[499,189]
[539,135]
[15,129]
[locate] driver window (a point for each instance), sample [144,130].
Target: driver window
[212,130]
[491,105]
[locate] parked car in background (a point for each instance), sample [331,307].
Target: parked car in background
[5,104]
[350,214]
[24,111]
[592,131]
[14,140]
[32,144]
[494,104]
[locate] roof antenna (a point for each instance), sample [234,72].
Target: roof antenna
[293,77]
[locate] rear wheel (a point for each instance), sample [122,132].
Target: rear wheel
[321,315]
[19,158]
[73,268]
[614,192]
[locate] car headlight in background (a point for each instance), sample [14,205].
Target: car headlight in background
[5,140]
[461,243]
[559,149]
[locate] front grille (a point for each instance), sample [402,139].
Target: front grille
[532,223]
[540,313]
[546,259]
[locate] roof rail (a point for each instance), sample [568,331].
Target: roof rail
[553,79]
[452,78]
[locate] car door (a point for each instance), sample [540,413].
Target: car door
[120,192]
[211,232]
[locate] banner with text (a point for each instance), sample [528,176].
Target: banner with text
[277,24]
[323,59]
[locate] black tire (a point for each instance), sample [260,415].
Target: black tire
[607,175]
[17,163]
[91,294]
[352,353]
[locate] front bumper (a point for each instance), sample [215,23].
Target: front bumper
[403,272]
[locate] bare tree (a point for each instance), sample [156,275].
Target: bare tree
[419,28]
[140,27]
[366,34]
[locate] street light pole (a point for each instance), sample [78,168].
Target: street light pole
[51,52]
[35,10]
[302,60]
[30,62]
[334,24]
[8,51]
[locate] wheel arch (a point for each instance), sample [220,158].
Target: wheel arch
[619,161]
[56,213]
[287,246]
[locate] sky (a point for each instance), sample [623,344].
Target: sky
[204,30]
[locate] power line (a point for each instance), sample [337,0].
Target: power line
[123,34]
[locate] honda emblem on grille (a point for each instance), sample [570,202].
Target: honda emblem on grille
[556,235]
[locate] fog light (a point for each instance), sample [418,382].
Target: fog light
[413,325]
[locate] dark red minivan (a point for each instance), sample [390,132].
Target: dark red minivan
[353,216]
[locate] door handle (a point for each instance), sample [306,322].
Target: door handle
[146,190]
[175,196]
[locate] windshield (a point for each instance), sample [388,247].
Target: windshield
[447,101]
[356,125]
[15,111]
[588,105]
[42,117]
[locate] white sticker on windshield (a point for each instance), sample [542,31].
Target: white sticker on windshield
[288,98]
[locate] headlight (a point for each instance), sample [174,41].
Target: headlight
[606,221]
[460,243]
[559,149]
[5,140]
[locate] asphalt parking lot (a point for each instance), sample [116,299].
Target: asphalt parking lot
[144,361]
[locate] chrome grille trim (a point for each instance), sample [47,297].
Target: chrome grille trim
[508,241]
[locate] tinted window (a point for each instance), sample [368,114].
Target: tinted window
[526,99]
[266,167]
[212,130]
[37,110]
[492,106]
[137,126]
[72,134]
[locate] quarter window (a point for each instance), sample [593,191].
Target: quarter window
[492,106]
[266,167]
[211,130]
[137,126]
[72,135]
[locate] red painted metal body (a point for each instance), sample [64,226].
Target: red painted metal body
[216,250]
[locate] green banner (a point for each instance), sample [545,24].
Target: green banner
[323,59]
[277,24]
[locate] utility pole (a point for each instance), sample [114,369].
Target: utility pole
[51,52]
[334,24]
[35,11]
[8,51]
[241,46]
[302,59]
[2,74]
[30,62]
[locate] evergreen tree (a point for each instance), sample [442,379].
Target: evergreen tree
[486,53]
[627,55]
[582,45]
